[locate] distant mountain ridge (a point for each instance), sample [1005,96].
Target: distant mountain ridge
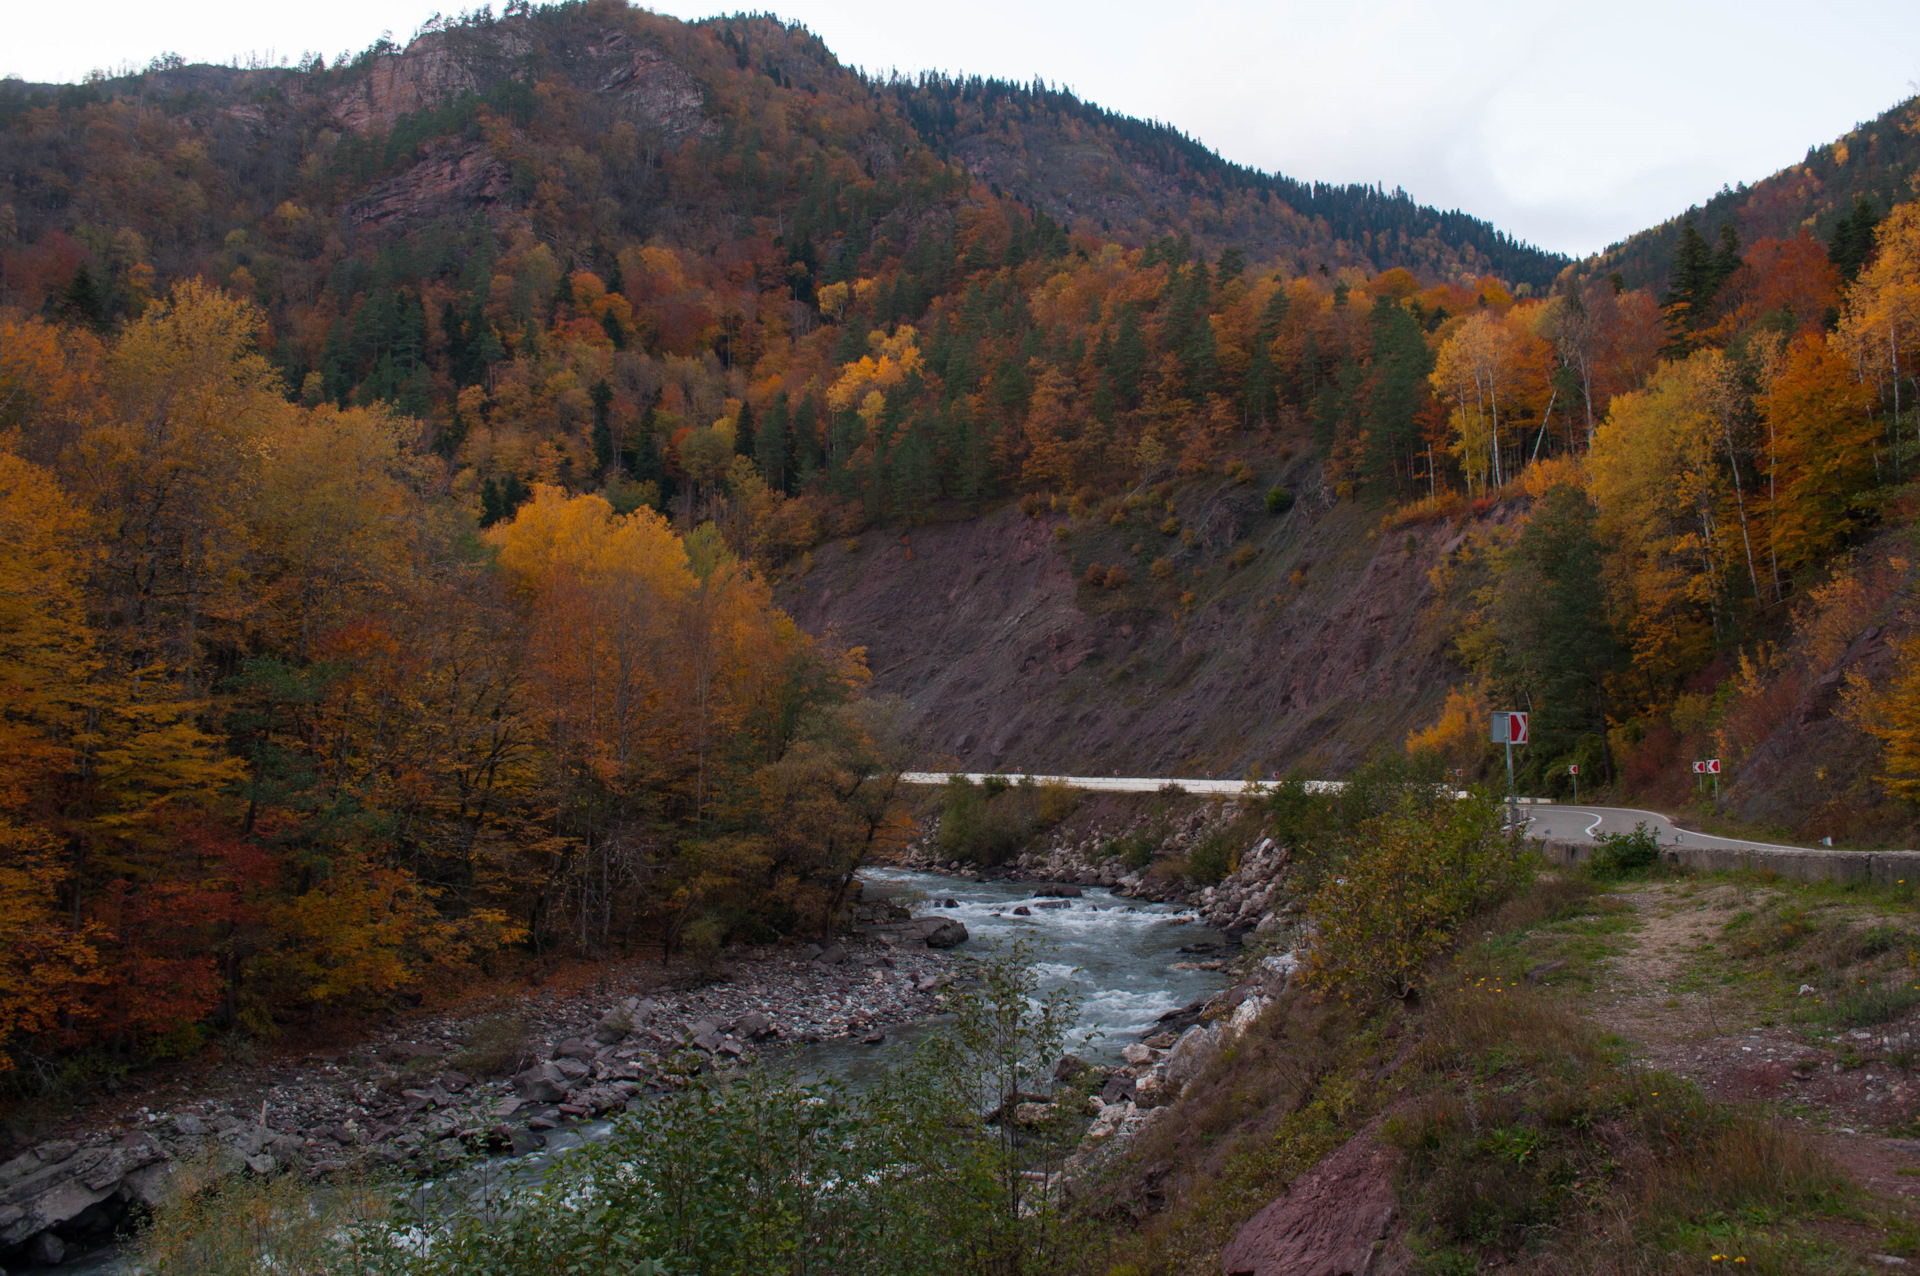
[1113,175]
[1877,161]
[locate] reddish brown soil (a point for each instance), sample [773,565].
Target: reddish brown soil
[1007,660]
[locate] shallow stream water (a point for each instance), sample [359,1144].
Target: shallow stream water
[1115,954]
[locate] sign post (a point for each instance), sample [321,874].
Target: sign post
[1510,728]
[1573,769]
[1713,769]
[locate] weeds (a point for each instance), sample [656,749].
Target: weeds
[496,1047]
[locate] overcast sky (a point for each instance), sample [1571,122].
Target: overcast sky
[1571,123]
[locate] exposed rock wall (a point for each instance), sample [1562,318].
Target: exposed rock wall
[1316,654]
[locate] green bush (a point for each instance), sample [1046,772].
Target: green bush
[988,823]
[1391,899]
[1618,854]
[912,1176]
[1279,500]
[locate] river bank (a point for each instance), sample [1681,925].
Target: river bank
[546,1069]
[440,1088]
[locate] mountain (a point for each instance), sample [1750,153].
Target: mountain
[1877,162]
[389,142]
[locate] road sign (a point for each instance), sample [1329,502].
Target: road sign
[1713,766]
[1573,768]
[1509,728]
[1699,768]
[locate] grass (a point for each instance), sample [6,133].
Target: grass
[243,1225]
[1530,1141]
[496,1047]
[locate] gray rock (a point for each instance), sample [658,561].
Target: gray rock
[542,1083]
[47,1250]
[190,1125]
[1190,1055]
[752,1026]
[572,1069]
[832,955]
[613,1027]
[574,1048]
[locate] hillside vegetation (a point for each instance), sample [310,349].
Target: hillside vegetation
[402,457]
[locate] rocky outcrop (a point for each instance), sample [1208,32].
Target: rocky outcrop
[648,88]
[435,68]
[1331,1221]
[455,178]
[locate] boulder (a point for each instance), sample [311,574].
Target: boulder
[1329,1221]
[1190,1056]
[575,1048]
[56,1182]
[942,932]
[1060,890]
[752,1026]
[613,1027]
[1137,1054]
[1021,910]
[832,955]
[542,1083]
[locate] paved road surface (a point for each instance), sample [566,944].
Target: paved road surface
[1585,823]
[1561,823]
[1107,784]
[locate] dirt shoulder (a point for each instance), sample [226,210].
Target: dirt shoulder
[1798,1003]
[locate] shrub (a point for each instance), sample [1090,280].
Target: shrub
[495,1047]
[1279,500]
[761,1173]
[1618,854]
[1169,527]
[1062,534]
[1161,569]
[988,823]
[1116,577]
[1242,556]
[1392,900]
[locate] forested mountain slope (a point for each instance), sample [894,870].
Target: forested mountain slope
[414,470]
[1876,162]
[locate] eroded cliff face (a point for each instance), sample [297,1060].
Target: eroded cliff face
[1316,653]
[643,85]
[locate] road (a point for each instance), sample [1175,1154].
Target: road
[1587,823]
[1561,823]
[1108,784]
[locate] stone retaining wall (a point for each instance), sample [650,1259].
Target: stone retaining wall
[1881,868]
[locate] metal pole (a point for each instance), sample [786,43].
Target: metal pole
[1512,806]
[1716,788]
[1576,788]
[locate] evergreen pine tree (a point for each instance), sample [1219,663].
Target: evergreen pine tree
[80,301]
[743,440]
[1128,365]
[1690,287]
[770,446]
[602,398]
[1852,242]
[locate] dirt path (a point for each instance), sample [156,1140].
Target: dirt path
[1662,992]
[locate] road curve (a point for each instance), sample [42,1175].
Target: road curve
[1586,823]
[1578,824]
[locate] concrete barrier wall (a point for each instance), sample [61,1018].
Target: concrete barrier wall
[1882,868]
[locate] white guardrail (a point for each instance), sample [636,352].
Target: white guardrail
[1118,784]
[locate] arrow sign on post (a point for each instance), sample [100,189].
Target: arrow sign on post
[1509,728]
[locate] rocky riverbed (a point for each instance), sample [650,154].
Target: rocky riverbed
[444,1088]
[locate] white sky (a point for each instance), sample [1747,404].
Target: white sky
[1568,122]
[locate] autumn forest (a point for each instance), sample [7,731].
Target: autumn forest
[401,458]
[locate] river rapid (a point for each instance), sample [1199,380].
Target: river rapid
[1117,956]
